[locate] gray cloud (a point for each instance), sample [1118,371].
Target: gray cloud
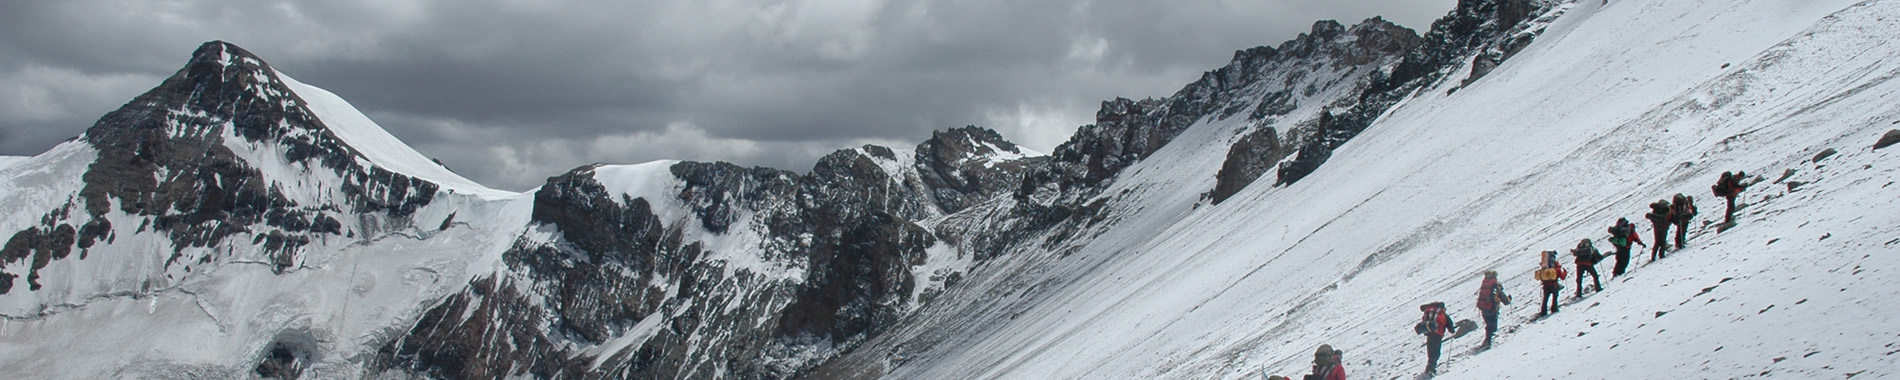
[510,92]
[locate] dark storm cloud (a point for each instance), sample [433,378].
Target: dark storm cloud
[510,92]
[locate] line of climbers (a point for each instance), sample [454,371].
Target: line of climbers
[1677,211]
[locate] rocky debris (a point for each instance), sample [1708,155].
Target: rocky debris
[1823,154]
[1892,137]
[1255,154]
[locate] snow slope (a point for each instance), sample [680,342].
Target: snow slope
[1615,106]
[7,161]
[375,143]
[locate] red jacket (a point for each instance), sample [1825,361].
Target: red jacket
[1337,372]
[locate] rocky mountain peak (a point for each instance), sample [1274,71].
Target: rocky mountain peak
[184,160]
[964,166]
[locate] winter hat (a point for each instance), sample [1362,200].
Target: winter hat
[1490,273]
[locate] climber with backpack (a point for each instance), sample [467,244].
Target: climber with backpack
[1659,218]
[1621,236]
[1327,364]
[1490,295]
[1680,212]
[1435,324]
[1728,187]
[1587,257]
[1551,273]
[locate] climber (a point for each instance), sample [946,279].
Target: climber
[1434,324]
[1587,257]
[1680,213]
[1490,295]
[1327,364]
[1621,235]
[1728,187]
[1659,219]
[1551,273]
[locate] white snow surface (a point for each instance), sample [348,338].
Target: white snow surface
[118,310]
[653,181]
[1613,107]
[8,161]
[376,144]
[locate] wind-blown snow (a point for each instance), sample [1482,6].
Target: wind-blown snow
[376,144]
[1613,107]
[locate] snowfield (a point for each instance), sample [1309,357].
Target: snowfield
[1615,106]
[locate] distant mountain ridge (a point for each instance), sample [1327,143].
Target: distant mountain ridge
[657,270]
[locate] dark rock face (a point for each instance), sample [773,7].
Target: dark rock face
[959,165]
[1329,55]
[596,281]
[1255,154]
[1263,84]
[163,159]
[615,268]
[1490,30]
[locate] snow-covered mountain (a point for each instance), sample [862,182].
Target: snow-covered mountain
[277,231]
[1610,107]
[233,222]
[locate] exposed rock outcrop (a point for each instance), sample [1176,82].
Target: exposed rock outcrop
[618,291]
[1255,154]
[1484,31]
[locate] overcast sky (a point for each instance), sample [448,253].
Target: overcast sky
[510,92]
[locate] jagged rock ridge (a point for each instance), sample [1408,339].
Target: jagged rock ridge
[621,292]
